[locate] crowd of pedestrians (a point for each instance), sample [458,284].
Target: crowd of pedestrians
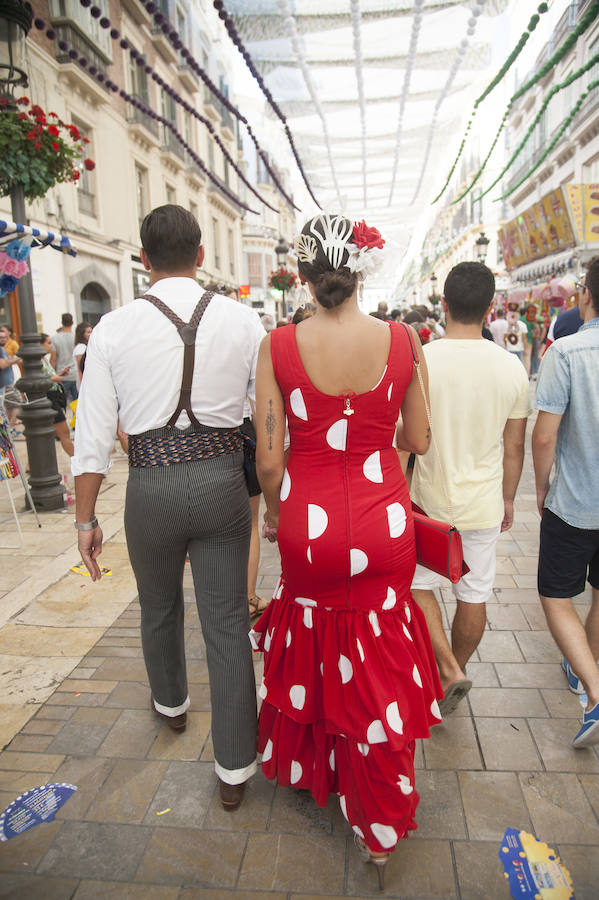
[355,417]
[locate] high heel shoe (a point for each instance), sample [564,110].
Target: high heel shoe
[378,861]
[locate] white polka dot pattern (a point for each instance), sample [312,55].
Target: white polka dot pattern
[267,754]
[346,670]
[396,518]
[296,772]
[372,468]
[262,691]
[376,733]
[389,392]
[358,831]
[394,720]
[285,486]
[360,650]
[364,749]
[337,435]
[386,835]
[343,806]
[298,406]
[374,623]
[317,521]
[309,553]
[305,601]
[391,599]
[288,638]
[416,676]
[408,613]
[332,760]
[268,640]
[358,561]
[308,617]
[297,695]
[435,710]
[406,632]
[405,785]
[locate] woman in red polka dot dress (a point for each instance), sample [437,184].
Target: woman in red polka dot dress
[350,681]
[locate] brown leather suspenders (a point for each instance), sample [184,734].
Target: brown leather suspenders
[187,333]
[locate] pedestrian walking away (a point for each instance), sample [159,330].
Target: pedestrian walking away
[186,492]
[567,433]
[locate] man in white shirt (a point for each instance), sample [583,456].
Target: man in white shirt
[479,399]
[498,328]
[186,493]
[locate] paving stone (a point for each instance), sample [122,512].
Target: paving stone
[186,745]
[88,773]
[499,702]
[417,869]
[504,566]
[119,669]
[526,565]
[452,745]
[562,704]
[81,672]
[499,646]
[32,743]
[24,887]
[19,782]
[526,581]
[554,740]
[558,808]
[42,726]
[116,890]
[506,744]
[533,675]
[521,596]
[195,648]
[535,617]
[125,652]
[96,715]
[492,802]
[583,866]
[79,698]
[212,894]
[590,785]
[505,618]
[54,712]
[482,674]
[285,862]
[296,812]
[439,813]
[30,762]
[130,695]
[85,736]
[127,792]
[504,581]
[187,789]
[96,850]
[189,856]
[537,646]
[105,643]
[254,812]
[27,849]
[132,735]
[477,864]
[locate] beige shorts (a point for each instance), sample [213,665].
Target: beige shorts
[480,553]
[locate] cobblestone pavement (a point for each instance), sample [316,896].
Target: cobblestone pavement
[146,821]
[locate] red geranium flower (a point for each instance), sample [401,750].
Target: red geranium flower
[86,140]
[22,116]
[23,100]
[31,136]
[75,174]
[367,237]
[36,110]
[53,130]
[89,164]
[56,146]
[4,101]
[75,133]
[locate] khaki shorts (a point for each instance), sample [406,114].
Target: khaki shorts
[480,553]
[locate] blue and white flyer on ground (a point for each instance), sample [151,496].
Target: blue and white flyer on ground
[32,808]
[533,870]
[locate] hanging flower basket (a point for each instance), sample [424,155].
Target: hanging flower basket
[37,150]
[282,280]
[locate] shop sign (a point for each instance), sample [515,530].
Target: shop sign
[584,208]
[542,229]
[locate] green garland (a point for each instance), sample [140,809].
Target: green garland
[534,21]
[559,54]
[555,140]
[554,90]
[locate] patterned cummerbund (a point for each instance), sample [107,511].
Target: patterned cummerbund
[168,446]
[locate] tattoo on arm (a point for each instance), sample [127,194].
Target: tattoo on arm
[428,434]
[270,424]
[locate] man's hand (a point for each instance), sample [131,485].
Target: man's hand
[90,547]
[508,515]
[270,527]
[541,497]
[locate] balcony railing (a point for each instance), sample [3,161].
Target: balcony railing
[137,117]
[170,143]
[80,43]
[226,118]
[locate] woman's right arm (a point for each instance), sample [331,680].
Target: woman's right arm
[413,431]
[269,422]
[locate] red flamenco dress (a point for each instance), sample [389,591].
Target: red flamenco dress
[350,680]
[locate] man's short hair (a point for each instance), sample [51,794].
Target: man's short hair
[499,312]
[592,281]
[66,319]
[468,291]
[171,236]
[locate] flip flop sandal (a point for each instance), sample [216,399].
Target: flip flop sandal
[257,605]
[456,692]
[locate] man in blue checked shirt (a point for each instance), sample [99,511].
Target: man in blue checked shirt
[567,432]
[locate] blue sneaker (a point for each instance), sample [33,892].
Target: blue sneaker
[589,733]
[574,683]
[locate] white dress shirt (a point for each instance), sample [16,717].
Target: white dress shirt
[134,367]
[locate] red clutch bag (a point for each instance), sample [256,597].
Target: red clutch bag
[438,546]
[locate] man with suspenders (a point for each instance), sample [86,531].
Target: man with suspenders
[175,367]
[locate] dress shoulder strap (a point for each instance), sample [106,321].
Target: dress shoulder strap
[284,355]
[187,333]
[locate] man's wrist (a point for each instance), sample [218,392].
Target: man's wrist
[86,526]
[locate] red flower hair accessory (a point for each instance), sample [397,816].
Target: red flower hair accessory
[364,236]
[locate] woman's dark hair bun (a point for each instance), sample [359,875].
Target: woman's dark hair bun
[335,286]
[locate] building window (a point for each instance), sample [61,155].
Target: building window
[169,111]
[171,194]
[193,209]
[138,81]
[216,242]
[211,154]
[593,73]
[86,186]
[189,130]
[231,252]
[141,282]
[226,170]
[591,171]
[141,188]
[254,261]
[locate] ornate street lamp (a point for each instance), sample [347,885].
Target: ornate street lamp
[482,245]
[281,251]
[37,414]
[434,296]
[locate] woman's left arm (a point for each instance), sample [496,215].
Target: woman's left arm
[269,422]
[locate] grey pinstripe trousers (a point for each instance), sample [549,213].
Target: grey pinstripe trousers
[200,508]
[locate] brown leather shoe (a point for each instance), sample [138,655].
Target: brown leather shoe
[231,795]
[177,723]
